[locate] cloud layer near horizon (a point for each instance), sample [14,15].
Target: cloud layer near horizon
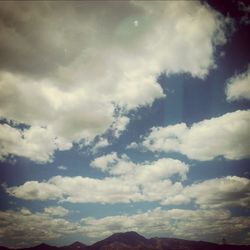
[25,228]
[92,63]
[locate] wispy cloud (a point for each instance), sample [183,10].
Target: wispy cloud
[61,167]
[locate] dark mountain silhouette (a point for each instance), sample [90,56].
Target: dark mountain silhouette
[42,246]
[129,239]
[4,248]
[77,244]
[121,241]
[135,241]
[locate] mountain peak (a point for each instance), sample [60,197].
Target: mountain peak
[127,234]
[128,238]
[133,240]
[133,236]
[77,244]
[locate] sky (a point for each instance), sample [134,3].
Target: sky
[124,116]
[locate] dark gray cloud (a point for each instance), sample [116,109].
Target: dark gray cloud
[38,37]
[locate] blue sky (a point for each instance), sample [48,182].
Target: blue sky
[121,116]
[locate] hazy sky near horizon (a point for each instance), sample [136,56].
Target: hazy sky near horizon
[124,116]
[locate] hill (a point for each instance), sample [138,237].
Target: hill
[135,241]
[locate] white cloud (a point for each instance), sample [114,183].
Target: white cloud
[238,86]
[128,182]
[32,190]
[230,191]
[132,145]
[103,161]
[144,172]
[36,143]
[61,167]
[119,125]
[58,211]
[227,135]
[101,143]
[70,189]
[23,228]
[188,224]
[74,78]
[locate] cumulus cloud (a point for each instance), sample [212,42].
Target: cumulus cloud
[119,125]
[132,145]
[101,143]
[145,172]
[32,190]
[197,224]
[24,228]
[230,191]
[151,183]
[133,182]
[36,143]
[103,161]
[56,211]
[238,86]
[80,69]
[227,136]
[127,182]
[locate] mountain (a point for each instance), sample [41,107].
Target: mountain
[4,248]
[135,241]
[174,244]
[42,247]
[76,246]
[124,241]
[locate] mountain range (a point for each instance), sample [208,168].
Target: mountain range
[135,241]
